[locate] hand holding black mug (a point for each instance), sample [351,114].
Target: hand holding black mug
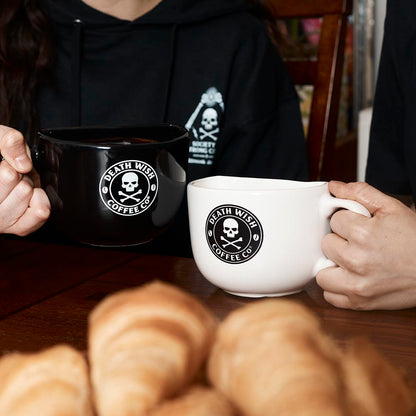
[24,206]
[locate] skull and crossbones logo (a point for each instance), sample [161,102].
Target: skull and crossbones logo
[209,124]
[129,187]
[130,182]
[233,233]
[230,230]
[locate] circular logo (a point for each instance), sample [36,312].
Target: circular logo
[128,187]
[234,234]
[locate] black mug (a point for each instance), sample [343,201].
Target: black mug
[113,186]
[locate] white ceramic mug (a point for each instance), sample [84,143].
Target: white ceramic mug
[261,237]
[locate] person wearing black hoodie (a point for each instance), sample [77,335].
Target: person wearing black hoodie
[376,256]
[206,64]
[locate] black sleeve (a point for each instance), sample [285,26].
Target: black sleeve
[262,132]
[386,160]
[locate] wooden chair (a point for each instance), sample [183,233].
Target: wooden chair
[324,73]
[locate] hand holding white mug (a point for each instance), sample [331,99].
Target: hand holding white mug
[24,207]
[261,237]
[376,256]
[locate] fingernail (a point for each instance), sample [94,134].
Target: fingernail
[23,162]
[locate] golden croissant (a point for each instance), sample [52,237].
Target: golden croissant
[198,400]
[146,344]
[373,386]
[52,382]
[272,358]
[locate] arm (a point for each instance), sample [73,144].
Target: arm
[386,165]
[376,256]
[23,206]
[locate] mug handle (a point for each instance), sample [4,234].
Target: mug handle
[328,204]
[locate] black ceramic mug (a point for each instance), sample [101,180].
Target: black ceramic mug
[113,186]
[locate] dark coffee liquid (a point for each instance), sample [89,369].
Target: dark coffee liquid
[119,140]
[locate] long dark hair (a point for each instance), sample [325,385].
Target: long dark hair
[25,54]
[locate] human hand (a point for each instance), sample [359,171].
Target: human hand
[24,207]
[375,257]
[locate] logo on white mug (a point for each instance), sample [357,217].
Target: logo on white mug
[129,187]
[234,234]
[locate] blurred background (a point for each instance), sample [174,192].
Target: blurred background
[362,54]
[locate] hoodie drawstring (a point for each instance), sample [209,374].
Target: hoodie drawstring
[170,71]
[76,74]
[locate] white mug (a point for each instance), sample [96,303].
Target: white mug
[261,237]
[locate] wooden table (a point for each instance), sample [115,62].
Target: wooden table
[47,291]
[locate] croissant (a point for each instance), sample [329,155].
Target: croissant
[271,358]
[144,345]
[53,382]
[373,386]
[196,401]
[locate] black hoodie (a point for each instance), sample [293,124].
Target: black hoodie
[206,64]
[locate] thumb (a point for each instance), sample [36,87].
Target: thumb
[13,148]
[373,199]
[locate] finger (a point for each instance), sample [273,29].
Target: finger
[9,178]
[332,282]
[334,247]
[350,225]
[373,199]
[14,149]
[388,301]
[332,279]
[35,215]
[345,289]
[15,205]
[338,300]
[337,288]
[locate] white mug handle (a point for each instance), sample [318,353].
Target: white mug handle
[328,204]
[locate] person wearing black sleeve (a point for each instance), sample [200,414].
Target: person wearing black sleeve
[391,163]
[208,65]
[375,257]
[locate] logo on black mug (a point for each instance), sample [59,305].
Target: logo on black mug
[129,187]
[233,233]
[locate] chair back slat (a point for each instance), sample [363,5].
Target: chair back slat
[324,73]
[310,8]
